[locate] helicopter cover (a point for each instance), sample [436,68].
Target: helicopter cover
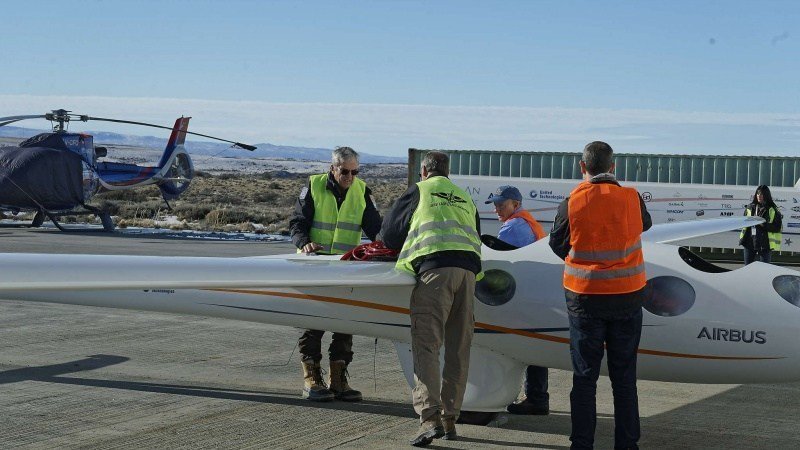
[36,177]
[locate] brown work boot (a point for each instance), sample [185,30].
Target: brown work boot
[341,390]
[449,426]
[429,430]
[314,387]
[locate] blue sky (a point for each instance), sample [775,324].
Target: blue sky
[711,77]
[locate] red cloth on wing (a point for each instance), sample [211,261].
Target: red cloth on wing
[374,251]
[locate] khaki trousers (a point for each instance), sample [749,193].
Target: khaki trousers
[441,312]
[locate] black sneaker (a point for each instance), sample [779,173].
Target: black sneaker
[526,407]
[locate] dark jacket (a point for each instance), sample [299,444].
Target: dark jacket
[300,223]
[595,305]
[756,238]
[395,230]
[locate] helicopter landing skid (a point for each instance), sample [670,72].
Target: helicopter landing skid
[105,218]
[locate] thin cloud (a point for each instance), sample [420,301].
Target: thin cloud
[781,37]
[390,129]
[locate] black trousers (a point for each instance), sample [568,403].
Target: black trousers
[536,385]
[341,347]
[621,338]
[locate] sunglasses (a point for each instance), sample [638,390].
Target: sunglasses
[347,172]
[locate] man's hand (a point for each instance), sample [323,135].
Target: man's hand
[311,247]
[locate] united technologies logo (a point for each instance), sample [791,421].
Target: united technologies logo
[534,194]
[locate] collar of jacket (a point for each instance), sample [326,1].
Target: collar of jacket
[604,178]
[333,186]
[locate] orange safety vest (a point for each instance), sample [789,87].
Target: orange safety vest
[605,223]
[535,227]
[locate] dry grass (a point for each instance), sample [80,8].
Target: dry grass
[230,202]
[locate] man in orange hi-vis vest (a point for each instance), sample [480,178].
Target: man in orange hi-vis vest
[597,232]
[520,229]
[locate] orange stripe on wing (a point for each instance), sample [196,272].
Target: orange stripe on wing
[498,328]
[321,298]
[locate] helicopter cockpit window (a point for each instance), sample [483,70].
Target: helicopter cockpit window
[669,296]
[699,263]
[788,287]
[496,287]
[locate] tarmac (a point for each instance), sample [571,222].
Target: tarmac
[83,377]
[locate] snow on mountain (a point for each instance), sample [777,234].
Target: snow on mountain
[265,150]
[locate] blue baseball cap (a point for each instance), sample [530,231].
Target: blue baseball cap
[504,193]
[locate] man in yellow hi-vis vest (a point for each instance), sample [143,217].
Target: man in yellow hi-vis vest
[329,216]
[436,227]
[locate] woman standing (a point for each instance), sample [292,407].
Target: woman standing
[759,241]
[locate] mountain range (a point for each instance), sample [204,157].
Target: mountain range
[265,150]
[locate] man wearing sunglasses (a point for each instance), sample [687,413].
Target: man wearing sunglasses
[329,216]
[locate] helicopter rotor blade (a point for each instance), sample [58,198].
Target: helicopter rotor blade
[236,144]
[11,119]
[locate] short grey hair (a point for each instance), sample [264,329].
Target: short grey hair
[342,154]
[437,163]
[597,156]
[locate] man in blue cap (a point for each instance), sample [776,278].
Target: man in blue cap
[520,229]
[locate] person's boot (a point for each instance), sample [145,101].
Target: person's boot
[428,430]
[449,426]
[341,390]
[530,408]
[314,388]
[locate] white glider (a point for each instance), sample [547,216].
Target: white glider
[703,324]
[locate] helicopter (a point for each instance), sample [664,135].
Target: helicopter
[57,173]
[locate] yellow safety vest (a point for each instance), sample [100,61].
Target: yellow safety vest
[444,220]
[337,229]
[774,238]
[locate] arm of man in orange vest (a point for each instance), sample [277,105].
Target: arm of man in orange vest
[647,222]
[560,235]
